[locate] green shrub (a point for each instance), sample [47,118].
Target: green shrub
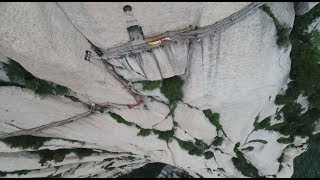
[213,118]
[119,119]
[33,85]
[82,152]
[3,83]
[190,147]
[307,165]
[283,31]
[48,155]
[278,116]
[217,141]
[17,74]
[264,124]
[314,99]
[150,85]
[28,141]
[208,155]
[25,141]
[61,90]
[165,135]
[305,73]
[144,132]
[45,88]
[58,155]
[172,108]
[284,140]
[172,89]
[244,166]
[198,148]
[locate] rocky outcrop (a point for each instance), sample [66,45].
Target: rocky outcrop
[304,7]
[42,39]
[221,72]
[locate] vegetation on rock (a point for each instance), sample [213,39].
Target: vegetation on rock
[25,141]
[213,118]
[151,85]
[217,141]
[120,120]
[304,76]
[244,166]
[144,132]
[284,140]
[283,31]
[59,154]
[172,89]
[17,74]
[308,163]
[29,141]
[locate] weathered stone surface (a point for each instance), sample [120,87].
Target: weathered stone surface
[237,71]
[42,39]
[304,7]
[195,123]
[93,19]
[21,108]
[154,117]
[159,63]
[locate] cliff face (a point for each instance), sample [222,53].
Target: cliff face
[105,24]
[41,38]
[228,82]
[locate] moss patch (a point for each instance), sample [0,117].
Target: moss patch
[17,74]
[144,132]
[25,141]
[213,118]
[28,141]
[217,141]
[59,154]
[283,30]
[307,165]
[284,140]
[244,166]
[172,89]
[151,85]
[120,120]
